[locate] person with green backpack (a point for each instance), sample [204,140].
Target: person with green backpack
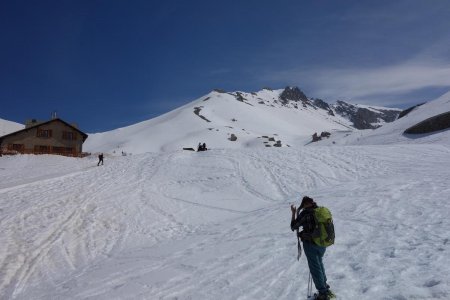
[317,234]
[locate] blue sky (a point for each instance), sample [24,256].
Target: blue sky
[108,64]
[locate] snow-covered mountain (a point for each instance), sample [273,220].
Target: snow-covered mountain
[268,118]
[7,127]
[430,122]
[215,225]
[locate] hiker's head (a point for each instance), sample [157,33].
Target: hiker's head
[307,202]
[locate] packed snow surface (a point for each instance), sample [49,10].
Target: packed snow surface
[215,224]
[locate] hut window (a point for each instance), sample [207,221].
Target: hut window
[68,135]
[62,150]
[58,149]
[44,133]
[41,149]
[16,147]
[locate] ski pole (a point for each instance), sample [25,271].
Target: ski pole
[309,293]
[299,246]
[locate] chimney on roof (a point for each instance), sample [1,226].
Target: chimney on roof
[54,115]
[32,122]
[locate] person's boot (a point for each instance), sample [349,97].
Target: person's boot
[330,294]
[321,296]
[325,296]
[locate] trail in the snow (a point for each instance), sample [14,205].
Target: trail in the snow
[215,225]
[60,224]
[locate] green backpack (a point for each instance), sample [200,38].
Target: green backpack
[323,234]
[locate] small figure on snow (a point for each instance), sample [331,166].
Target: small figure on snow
[315,238]
[100,159]
[201,147]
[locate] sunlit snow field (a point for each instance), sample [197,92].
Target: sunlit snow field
[215,224]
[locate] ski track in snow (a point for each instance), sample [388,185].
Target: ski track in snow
[215,225]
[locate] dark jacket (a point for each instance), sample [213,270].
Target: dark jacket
[306,220]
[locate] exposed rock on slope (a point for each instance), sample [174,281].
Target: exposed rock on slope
[293,94]
[435,123]
[365,117]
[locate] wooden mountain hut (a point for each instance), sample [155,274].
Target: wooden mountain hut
[49,137]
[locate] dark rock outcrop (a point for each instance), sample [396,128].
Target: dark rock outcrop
[325,134]
[292,94]
[436,123]
[321,104]
[315,137]
[239,97]
[197,111]
[408,110]
[389,115]
[364,118]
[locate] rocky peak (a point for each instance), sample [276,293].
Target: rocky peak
[292,94]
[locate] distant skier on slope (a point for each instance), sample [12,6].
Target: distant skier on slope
[316,235]
[100,159]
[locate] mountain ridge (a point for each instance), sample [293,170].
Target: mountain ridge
[424,123]
[267,118]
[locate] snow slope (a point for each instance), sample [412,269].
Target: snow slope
[392,133]
[215,224]
[7,127]
[253,118]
